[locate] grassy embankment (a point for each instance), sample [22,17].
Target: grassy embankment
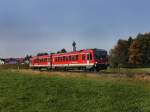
[58,92]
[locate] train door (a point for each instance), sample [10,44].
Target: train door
[89,58]
[50,61]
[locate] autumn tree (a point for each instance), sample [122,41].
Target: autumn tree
[139,51]
[132,52]
[119,54]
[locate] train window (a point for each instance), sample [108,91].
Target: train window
[83,57]
[91,56]
[77,57]
[69,58]
[60,59]
[45,60]
[88,56]
[63,58]
[66,58]
[72,58]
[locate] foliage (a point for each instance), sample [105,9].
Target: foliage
[62,51]
[41,54]
[27,59]
[132,52]
[119,55]
[139,51]
[25,92]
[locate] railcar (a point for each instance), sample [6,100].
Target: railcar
[39,62]
[90,59]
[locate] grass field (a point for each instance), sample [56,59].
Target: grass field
[128,70]
[26,91]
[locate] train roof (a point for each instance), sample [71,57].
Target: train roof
[80,51]
[73,52]
[43,56]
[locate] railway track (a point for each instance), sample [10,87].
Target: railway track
[73,71]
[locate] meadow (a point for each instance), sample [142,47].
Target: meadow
[28,91]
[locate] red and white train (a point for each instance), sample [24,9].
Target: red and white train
[91,59]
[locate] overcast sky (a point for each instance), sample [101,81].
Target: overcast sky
[32,26]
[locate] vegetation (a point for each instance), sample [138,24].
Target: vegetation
[41,54]
[132,52]
[62,51]
[27,59]
[41,92]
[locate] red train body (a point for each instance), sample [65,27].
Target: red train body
[91,59]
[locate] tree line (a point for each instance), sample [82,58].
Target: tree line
[131,52]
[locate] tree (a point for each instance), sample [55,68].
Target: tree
[132,52]
[27,59]
[62,51]
[41,54]
[119,54]
[139,51]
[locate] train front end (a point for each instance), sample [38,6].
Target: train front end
[100,59]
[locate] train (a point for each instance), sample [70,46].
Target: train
[86,59]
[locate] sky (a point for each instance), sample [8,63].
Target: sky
[32,26]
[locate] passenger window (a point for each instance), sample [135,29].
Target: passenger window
[77,57]
[63,58]
[69,58]
[83,57]
[91,56]
[59,59]
[66,58]
[72,58]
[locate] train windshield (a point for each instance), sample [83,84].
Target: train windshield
[98,54]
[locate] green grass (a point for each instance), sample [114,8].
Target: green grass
[27,92]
